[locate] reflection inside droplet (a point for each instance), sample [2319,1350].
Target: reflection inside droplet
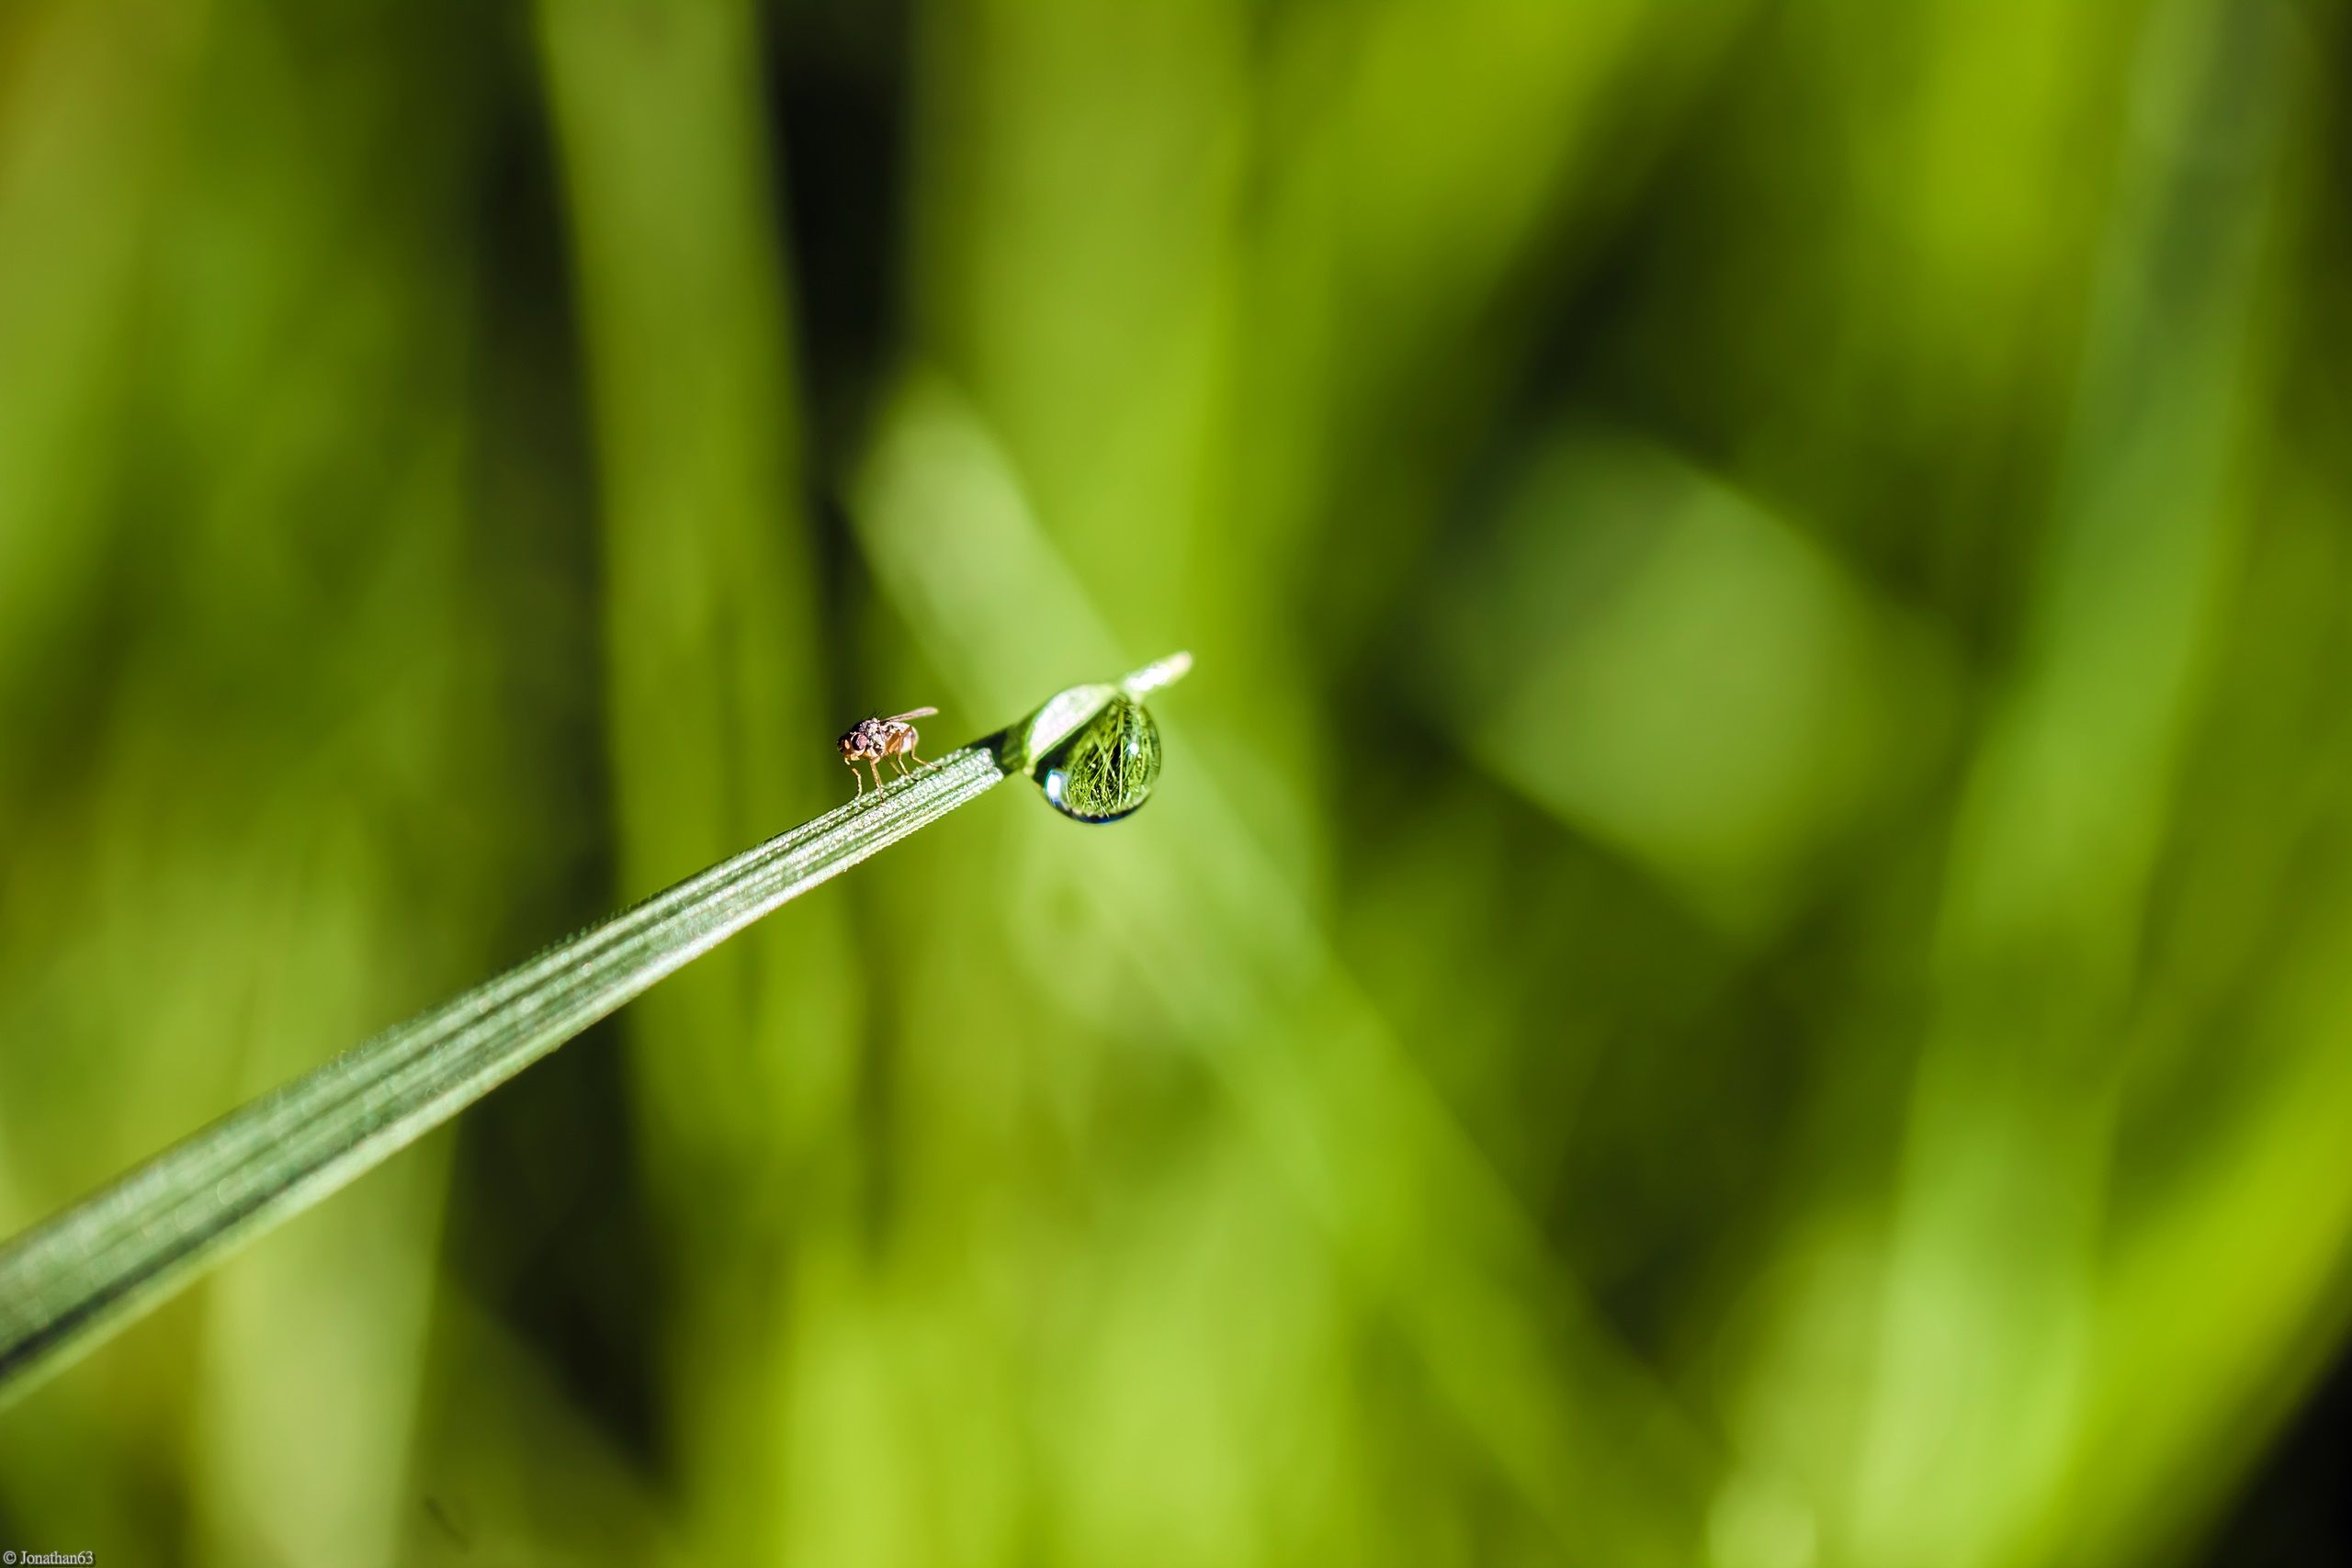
[1104,768]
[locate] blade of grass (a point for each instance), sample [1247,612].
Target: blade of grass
[1992,1344]
[740,1077]
[66,1284]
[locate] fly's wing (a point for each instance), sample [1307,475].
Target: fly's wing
[911,713]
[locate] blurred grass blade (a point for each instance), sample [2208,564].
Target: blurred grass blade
[66,1284]
[1578,1424]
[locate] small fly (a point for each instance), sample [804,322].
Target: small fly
[875,739]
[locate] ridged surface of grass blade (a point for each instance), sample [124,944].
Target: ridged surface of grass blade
[66,1283]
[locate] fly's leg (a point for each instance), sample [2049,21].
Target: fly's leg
[876,764]
[898,763]
[855,774]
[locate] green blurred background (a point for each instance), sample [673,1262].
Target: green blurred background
[1745,953]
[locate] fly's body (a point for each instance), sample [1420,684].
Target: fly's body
[876,739]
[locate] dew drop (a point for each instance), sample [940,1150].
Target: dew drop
[1104,768]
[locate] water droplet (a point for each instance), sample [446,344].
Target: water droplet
[1104,768]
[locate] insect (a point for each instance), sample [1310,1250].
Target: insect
[875,739]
